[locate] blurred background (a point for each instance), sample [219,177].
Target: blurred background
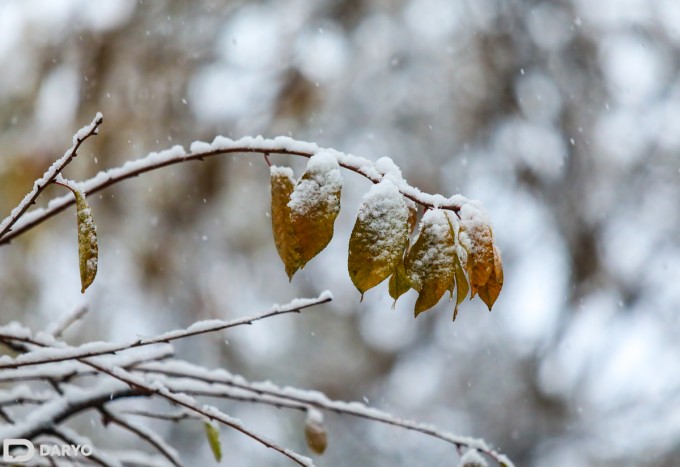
[562,117]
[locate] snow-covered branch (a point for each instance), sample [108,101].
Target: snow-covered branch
[373,171]
[50,175]
[93,349]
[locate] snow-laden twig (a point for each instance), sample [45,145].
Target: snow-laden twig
[295,398]
[373,171]
[49,175]
[57,328]
[188,402]
[52,355]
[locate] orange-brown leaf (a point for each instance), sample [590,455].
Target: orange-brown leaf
[489,292]
[478,240]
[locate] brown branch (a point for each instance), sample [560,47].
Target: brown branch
[266,147]
[190,403]
[194,330]
[49,176]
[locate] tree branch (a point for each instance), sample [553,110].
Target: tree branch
[53,355]
[49,176]
[220,146]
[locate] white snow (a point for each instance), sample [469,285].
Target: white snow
[472,458]
[385,212]
[322,186]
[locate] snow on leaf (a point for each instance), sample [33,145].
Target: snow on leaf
[379,237]
[314,205]
[489,292]
[430,263]
[315,433]
[213,435]
[282,185]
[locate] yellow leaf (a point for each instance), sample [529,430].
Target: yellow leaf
[430,264]
[213,435]
[399,283]
[314,205]
[88,251]
[282,185]
[462,286]
[489,292]
[379,237]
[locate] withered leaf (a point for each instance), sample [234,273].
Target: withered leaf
[282,185]
[314,205]
[462,286]
[489,292]
[88,251]
[379,237]
[477,238]
[430,264]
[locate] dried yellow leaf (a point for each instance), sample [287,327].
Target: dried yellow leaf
[399,283]
[88,251]
[489,292]
[282,185]
[478,240]
[430,264]
[314,205]
[379,237]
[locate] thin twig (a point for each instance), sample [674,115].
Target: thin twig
[144,434]
[93,350]
[190,403]
[281,145]
[278,396]
[57,328]
[49,176]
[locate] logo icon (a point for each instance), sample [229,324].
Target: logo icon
[23,455]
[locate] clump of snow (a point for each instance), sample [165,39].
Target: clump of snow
[384,210]
[472,458]
[314,416]
[285,172]
[322,185]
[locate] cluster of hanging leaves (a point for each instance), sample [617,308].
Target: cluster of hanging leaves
[88,251]
[452,252]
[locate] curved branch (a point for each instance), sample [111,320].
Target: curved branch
[292,398]
[220,146]
[51,173]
